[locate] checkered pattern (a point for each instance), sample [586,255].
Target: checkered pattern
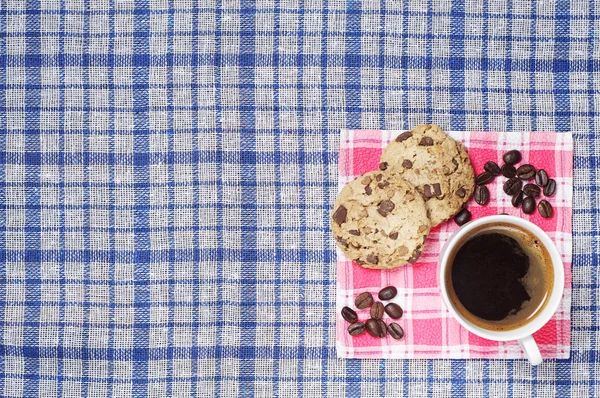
[167,170]
[430,330]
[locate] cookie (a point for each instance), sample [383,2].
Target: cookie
[437,165]
[380,221]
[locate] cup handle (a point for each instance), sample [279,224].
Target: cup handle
[531,349]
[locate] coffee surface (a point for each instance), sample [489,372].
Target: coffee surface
[487,276]
[479,279]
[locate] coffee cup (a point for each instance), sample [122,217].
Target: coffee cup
[522,330]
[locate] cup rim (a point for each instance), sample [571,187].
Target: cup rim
[557,290]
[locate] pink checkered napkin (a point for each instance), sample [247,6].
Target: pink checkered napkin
[430,331]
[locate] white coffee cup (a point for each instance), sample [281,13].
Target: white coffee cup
[523,333]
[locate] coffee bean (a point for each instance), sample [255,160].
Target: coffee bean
[349,315]
[404,136]
[508,170]
[492,167]
[484,178]
[387,293]
[383,166]
[385,207]
[528,205]
[512,157]
[517,199]
[356,328]
[482,195]
[541,178]
[395,331]
[377,310]
[462,217]
[339,216]
[512,186]
[376,328]
[550,188]
[363,300]
[545,209]
[426,141]
[526,172]
[531,190]
[394,310]
[460,192]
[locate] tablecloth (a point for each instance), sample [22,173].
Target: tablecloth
[167,168]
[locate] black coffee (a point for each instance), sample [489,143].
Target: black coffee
[500,277]
[487,273]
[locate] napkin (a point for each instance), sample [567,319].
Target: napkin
[430,330]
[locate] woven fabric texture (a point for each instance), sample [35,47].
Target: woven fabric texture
[168,167]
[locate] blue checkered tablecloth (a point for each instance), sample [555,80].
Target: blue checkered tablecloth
[167,168]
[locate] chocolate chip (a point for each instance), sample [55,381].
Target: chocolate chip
[427,192]
[368,190]
[385,207]
[378,177]
[437,190]
[354,232]
[426,141]
[383,166]
[372,258]
[342,241]
[383,184]
[393,235]
[404,136]
[460,192]
[366,180]
[407,164]
[340,215]
[415,256]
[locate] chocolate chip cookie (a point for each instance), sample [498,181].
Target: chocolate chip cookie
[380,221]
[437,165]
